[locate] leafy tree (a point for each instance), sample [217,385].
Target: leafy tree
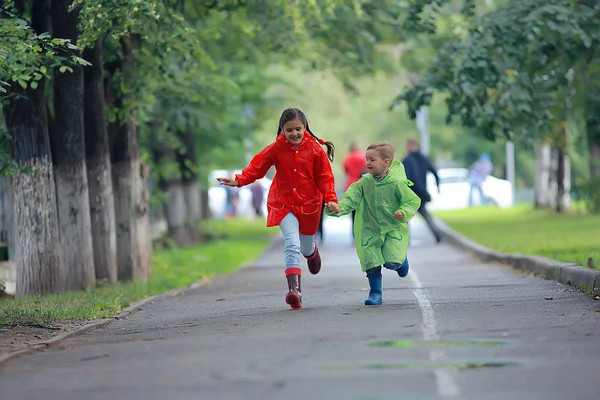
[511,76]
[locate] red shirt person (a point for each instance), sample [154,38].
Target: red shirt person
[354,165]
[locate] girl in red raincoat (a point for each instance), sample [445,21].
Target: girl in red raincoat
[302,182]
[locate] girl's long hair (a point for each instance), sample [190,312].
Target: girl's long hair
[291,114]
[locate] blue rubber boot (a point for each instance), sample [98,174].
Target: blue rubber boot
[403,270]
[375,294]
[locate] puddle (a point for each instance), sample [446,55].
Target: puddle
[434,343]
[460,366]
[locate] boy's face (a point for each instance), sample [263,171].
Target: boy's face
[376,165]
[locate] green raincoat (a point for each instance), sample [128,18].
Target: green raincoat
[380,237]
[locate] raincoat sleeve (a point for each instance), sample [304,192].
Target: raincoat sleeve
[350,200]
[324,177]
[258,167]
[409,201]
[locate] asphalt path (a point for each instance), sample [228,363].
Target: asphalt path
[454,328]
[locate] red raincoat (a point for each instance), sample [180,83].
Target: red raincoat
[303,179]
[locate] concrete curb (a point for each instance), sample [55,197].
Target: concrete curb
[47,344]
[566,273]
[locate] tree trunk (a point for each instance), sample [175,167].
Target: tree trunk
[68,153]
[134,242]
[142,218]
[188,165]
[593,136]
[174,207]
[542,177]
[102,206]
[35,210]
[204,205]
[560,203]
[127,186]
[7,232]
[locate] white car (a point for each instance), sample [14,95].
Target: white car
[455,189]
[217,196]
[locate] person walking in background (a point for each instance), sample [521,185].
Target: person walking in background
[355,167]
[417,165]
[232,198]
[258,195]
[384,205]
[478,173]
[303,180]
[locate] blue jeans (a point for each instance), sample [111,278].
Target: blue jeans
[476,186]
[295,243]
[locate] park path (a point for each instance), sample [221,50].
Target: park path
[454,328]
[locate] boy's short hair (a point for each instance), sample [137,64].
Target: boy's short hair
[385,149]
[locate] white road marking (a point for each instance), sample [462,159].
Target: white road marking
[446,385]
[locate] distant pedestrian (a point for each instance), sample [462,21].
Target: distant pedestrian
[355,167]
[232,198]
[478,173]
[258,195]
[417,166]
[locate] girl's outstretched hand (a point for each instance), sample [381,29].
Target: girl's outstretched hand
[333,207]
[399,215]
[228,182]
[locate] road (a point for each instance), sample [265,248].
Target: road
[454,328]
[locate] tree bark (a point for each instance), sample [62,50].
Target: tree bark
[561,205]
[174,210]
[593,137]
[134,242]
[7,232]
[68,153]
[542,177]
[174,207]
[102,206]
[35,211]
[188,164]
[142,217]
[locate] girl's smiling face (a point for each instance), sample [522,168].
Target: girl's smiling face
[294,132]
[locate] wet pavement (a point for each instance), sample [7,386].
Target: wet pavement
[453,328]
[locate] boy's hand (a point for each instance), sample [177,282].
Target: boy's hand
[333,207]
[399,215]
[228,182]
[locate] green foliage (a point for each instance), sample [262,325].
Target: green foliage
[213,78]
[506,79]
[571,237]
[237,243]
[116,18]
[26,57]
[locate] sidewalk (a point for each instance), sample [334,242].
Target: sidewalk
[454,328]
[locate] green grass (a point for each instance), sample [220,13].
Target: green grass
[233,244]
[571,237]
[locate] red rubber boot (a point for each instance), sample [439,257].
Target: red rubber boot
[294,296]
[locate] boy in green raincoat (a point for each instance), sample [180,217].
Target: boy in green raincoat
[384,204]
